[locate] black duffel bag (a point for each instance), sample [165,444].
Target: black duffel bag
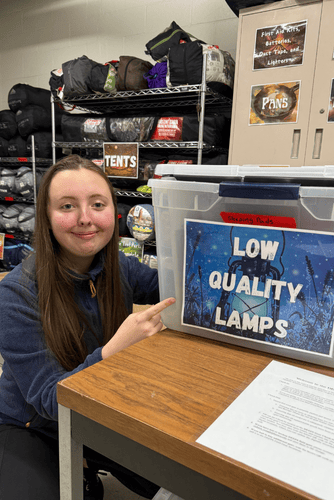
[185,66]
[159,46]
[185,63]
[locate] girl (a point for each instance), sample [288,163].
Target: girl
[64,308]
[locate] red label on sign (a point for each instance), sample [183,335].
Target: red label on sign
[168,129]
[258,220]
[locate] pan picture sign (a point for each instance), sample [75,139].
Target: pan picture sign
[121,159]
[279,46]
[274,103]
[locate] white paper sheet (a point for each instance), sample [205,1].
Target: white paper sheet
[283,425]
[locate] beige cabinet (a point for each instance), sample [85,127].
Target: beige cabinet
[283,85]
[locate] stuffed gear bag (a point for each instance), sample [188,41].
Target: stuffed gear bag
[83,76]
[159,46]
[8,125]
[156,77]
[185,65]
[130,73]
[22,95]
[84,128]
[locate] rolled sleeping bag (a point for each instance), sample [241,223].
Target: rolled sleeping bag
[8,125]
[24,182]
[3,147]
[22,95]
[7,182]
[10,217]
[2,209]
[43,143]
[33,118]
[17,146]
[84,128]
[26,220]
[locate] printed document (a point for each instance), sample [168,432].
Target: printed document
[282,424]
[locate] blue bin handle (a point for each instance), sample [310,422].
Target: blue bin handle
[259,191]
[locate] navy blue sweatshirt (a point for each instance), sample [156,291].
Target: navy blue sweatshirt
[28,384]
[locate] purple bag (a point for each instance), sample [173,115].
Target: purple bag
[156,77]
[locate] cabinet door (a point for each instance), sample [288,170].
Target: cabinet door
[319,148]
[274,141]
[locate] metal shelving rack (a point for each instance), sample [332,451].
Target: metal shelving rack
[198,96]
[33,161]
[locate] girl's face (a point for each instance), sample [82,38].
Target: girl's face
[82,215]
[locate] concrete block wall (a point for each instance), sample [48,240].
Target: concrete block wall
[37,36]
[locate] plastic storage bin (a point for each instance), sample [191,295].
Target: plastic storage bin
[208,232]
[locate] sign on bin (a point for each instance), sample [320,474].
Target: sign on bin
[265,285]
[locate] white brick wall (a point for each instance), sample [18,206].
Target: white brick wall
[37,36]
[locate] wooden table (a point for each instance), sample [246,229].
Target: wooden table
[146,406]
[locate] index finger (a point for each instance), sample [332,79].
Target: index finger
[160,306]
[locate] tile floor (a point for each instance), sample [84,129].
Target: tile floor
[114,490]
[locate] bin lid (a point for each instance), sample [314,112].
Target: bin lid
[304,176]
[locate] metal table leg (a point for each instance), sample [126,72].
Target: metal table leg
[70,459]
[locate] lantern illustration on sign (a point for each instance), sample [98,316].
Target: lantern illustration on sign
[247,293]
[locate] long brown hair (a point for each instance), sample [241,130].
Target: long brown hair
[63,322]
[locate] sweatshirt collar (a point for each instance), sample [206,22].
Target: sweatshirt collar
[96,269]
